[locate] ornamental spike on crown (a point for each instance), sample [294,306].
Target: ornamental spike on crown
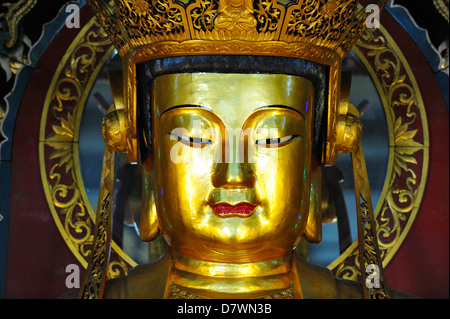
[159,26]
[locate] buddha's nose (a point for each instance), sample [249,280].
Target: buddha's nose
[233,169]
[233,175]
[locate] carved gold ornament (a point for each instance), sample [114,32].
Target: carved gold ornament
[329,25]
[58,147]
[98,264]
[113,131]
[442,7]
[16,12]
[408,148]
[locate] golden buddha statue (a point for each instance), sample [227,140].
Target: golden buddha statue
[231,108]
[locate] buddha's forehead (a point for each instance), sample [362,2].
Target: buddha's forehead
[229,95]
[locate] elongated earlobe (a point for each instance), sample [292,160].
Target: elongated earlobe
[313,229]
[149,228]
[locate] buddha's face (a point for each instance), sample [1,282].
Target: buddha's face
[232,163]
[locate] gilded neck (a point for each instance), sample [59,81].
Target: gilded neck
[213,279]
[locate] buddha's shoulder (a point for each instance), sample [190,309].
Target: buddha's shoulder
[142,281]
[318,282]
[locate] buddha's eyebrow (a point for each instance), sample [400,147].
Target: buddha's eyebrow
[280,107]
[184,106]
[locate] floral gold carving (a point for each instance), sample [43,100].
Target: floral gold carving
[408,157]
[59,163]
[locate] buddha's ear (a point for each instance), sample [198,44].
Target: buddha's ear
[149,227]
[313,229]
[114,126]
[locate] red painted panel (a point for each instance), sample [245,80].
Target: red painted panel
[37,253]
[421,266]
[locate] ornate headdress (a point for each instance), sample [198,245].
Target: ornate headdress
[321,31]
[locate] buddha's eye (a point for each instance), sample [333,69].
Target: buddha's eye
[275,142]
[191,141]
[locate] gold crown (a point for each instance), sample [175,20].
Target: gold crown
[322,31]
[332,25]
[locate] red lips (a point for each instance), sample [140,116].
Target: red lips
[238,210]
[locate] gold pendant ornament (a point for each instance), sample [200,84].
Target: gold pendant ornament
[232,153]
[93,284]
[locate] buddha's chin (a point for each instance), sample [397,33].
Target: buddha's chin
[232,249]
